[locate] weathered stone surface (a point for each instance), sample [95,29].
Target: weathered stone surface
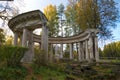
[69,78]
[29,21]
[15,38]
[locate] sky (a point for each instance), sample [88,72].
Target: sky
[41,4]
[116,31]
[29,5]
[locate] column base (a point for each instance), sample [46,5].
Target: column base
[28,57]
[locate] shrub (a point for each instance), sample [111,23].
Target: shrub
[12,55]
[66,54]
[10,73]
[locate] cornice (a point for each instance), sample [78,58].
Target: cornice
[26,17]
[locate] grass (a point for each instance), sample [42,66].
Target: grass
[33,72]
[48,73]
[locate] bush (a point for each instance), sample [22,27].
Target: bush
[66,54]
[1,53]
[10,73]
[12,55]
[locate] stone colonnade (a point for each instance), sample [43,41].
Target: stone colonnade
[24,24]
[87,49]
[27,40]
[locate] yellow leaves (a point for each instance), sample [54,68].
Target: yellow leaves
[86,11]
[50,11]
[9,40]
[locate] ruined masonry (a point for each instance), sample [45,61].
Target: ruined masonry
[24,24]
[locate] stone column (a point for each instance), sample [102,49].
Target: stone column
[24,39]
[28,56]
[91,48]
[15,38]
[96,49]
[82,50]
[56,50]
[47,32]
[86,50]
[79,52]
[61,51]
[31,46]
[71,50]
[44,42]
[51,52]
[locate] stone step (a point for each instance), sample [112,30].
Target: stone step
[77,71]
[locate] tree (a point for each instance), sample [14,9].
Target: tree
[51,13]
[71,16]
[112,50]
[108,16]
[9,40]
[7,11]
[98,14]
[100,52]
[61,17]
[88,16]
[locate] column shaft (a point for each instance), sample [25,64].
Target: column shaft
[91,48]
[61,55]
[82,50]
[44,42]
[28,56]
[51,52]
[15,38]
[56,50]
[24,39]
[86,50]
[96,49]
[31,47]
[79,52]
[71,50]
